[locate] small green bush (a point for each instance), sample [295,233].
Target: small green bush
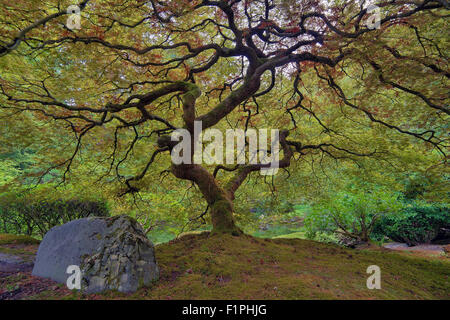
[327,238]
[414,225]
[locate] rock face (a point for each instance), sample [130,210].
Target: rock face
[112,253]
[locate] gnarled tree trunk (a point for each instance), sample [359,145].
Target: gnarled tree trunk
[218,199]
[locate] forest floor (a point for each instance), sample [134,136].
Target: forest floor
[225,267]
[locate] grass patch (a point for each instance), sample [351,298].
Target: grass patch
[301,209]
[161,236]
[6,238]
[276,231]
[294,235]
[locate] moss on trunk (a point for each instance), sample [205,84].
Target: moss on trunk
[222,217]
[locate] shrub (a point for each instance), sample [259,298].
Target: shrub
[327,238]
[22,216]
[352,213]
[415,224]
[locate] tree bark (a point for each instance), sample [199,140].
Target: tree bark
[219,200]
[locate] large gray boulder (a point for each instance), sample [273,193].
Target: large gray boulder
[112,253]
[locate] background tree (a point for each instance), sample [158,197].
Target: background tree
[138,70]
[352,214]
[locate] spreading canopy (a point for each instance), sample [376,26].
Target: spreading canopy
[142,69]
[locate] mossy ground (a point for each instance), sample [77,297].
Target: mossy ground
[205,266]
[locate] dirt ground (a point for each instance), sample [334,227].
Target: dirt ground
[16,281]
[420,250]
